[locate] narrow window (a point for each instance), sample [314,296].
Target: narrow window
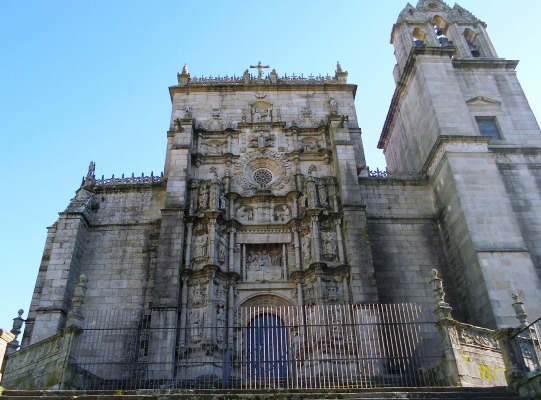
[488,127]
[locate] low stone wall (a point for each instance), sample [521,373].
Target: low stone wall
[472,354]
[43,365]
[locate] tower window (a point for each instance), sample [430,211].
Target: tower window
[488,127]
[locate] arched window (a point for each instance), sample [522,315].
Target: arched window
[440,27]
[471,37]
[419,37]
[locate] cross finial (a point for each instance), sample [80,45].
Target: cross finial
[259,69]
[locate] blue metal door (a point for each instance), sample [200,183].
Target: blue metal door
[267,341]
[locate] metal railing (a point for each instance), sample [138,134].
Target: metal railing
[342,346]
[528,342]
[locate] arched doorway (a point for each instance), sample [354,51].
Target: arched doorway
[267,347]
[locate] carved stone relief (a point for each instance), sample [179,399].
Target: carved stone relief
[264,263]
[266,169]
[261,111]
[261,140]
[310,145]
[282,213]
[245,213]
[329,245]
[196,324]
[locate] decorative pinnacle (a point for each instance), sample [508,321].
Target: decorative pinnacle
[520,312]
[184,70]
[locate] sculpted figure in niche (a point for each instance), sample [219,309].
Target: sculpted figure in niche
[329,244]
[221,253]
[306,249]
[253,261]
[201,246]
[220,322]
[334,106]
[197,326]
[246,213]
[282,213]
[310,145]
[322,191]
[203,197]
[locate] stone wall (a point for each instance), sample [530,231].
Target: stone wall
[405,239]
[43,365]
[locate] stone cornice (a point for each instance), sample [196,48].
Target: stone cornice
[485,63]
[403,83]
[267,88]
[442,141]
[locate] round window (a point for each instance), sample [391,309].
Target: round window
[262,176]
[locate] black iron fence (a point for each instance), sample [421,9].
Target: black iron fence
[354,346]
[528,342]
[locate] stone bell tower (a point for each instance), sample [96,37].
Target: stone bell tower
[460,116]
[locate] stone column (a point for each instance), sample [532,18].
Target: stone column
[230,264]
[345,286]
[243,255]
[284,262]
[184,311]
[210,333]
[319,284]
[316,238]
[340,241]
[459,41]
[212,241]
[231,312]
[485,43]
[188,256]
[297,244]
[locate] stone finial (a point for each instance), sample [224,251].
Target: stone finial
[520,312]
[16,331]
[442,309]
[75,317]
[184,76]
[90,177]
[273,76]
[340,75]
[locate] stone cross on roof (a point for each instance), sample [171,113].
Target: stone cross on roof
[259,69]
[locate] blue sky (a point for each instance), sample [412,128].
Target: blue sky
[87,80]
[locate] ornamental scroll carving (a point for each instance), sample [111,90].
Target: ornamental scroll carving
[471,336]
[263,170]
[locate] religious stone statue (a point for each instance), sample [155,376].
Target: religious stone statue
[203,197]
[221,253]
[197,326]
[306,249]
[322,192]
[282,213]
[201,246]
[329,244]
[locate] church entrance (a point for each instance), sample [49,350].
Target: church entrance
[267,348]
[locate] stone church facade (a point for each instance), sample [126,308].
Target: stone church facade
[266,199]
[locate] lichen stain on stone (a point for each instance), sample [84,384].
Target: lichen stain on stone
[465,358]
[486,373]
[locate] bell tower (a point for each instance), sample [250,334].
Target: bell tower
[460,116]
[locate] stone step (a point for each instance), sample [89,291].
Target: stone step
[502,393]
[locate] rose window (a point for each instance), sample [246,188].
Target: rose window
[262,176]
